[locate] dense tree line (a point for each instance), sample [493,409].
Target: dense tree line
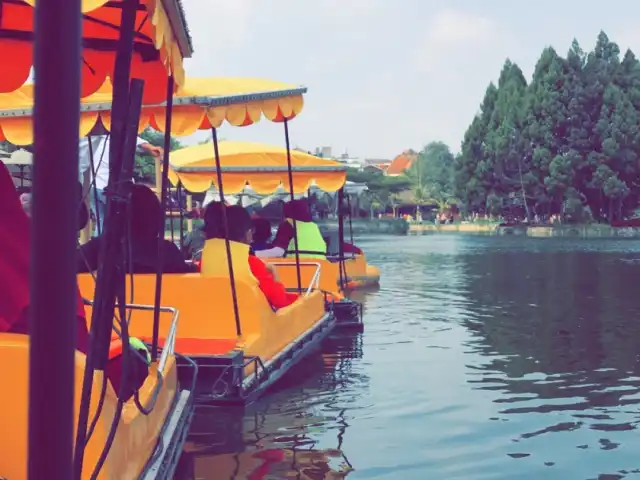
[566,143]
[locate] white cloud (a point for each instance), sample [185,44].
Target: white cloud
[453,38]
[454,28]
[384,76]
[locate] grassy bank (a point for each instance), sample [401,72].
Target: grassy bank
[542,231]
[390,226]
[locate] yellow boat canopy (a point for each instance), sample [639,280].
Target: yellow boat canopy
[161,41]
[262,167]
[199,105]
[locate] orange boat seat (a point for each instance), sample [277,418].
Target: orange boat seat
[136,436]
[206,324]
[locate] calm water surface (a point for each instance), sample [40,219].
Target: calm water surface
[482,358]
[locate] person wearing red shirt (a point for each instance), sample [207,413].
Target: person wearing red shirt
[239,227]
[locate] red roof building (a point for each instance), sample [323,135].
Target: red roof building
[401,163]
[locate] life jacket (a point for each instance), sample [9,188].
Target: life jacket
[309,240]
[214,260]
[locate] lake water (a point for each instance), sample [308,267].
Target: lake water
[482,358]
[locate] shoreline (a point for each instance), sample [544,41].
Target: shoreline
[537,231]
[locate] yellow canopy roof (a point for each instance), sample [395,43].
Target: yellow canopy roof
[161,41]
[200,104]
[263,167]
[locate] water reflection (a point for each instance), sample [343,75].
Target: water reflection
[484,358]
[556,331]
[297,431]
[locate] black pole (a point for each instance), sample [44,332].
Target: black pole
[162,219]
[232,279]
[295,226]
[110,278]
[180,191]
[93,186]
[350,218]
[341,237]
[171,229]
[53,283]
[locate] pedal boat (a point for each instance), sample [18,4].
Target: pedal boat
[232,369]
[145,446]
[265,168]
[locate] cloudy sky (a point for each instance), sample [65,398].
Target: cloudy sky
[386,75]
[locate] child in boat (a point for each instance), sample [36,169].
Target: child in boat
[145,215]
[240,231]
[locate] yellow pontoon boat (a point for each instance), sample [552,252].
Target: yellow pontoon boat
[41,379]
[265,168]
[239,353]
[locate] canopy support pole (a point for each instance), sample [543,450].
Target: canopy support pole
[348,197]
[92,186]
[343,272]
[110,277]
[291,195]
[181,211]
[53,283]
[225,226]
[162,220]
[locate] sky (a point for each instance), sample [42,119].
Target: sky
[384,76]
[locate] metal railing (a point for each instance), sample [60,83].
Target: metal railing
[168,347]
[315,280]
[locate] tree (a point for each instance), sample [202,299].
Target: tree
[566,143]
[145,165]
[471,178]
[432,175]
[382,190]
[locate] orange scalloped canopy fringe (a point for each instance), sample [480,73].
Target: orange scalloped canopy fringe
[156,50]
[262,167]
[199,105]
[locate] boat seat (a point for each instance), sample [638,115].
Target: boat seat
[136,436]
[329,272]
[206,324]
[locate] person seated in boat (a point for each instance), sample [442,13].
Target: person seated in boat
[261,234]
[15,238]
[193,241]
[240,235]
[14,286]
[331,238]
[310,240]
[145,213]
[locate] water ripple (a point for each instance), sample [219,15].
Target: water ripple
[469,341]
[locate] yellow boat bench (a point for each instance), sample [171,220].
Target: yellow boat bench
[206,323]
[359,274]
[348,312]
[137,434]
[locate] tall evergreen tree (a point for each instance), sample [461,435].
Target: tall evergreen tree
[568,140]
[473,167]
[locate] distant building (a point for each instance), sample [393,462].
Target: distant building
[324,152]
[401,163]
[376,165]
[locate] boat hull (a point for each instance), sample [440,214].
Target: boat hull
[239,379]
